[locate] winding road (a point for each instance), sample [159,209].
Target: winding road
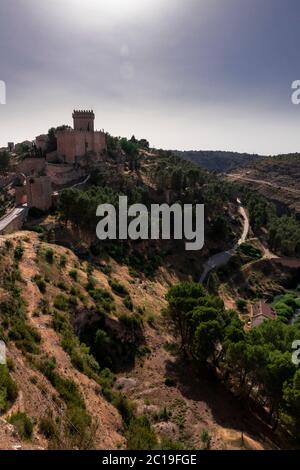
[222,258]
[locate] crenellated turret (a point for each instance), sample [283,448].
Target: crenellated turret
[84,120]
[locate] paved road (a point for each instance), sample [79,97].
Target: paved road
[9,218]
[222,258]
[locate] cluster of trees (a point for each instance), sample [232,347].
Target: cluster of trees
[171,172]
[256,365]
[286,306]
[130,147]
[79,207]
[191,184]
[188,183]
[283,231]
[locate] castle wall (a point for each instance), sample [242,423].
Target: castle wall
[31,166]
[100,143]
[72,145]
[61,174]
[20,195]
[39,192]
[41,141]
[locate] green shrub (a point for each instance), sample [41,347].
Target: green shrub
[171,347]
[73,291]
[205,439]
[8,244]
[78,418]
[18,253]
[25,336]
[73,301]
[74,275]
[164,415]
[169,382]
[140,435]
[102,298]
[38,229]
[61,303]
[8,389]
[63,261]
[47,427]
[128,303]
[241,304]
[106,269]
[40,283]
[143,350]
[61,285]
[49,256]
[118,288]
[133,322]
[107,378]
[23,424]
[125,407]
[91,284]
[151,320]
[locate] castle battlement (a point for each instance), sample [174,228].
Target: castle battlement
[83,112]
[84,120]
[73,144]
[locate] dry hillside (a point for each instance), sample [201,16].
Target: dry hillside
[180,406]
[276,178]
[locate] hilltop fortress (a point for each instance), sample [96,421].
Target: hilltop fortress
[74,144]
[75,151]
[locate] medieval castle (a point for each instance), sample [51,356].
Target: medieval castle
[77,148]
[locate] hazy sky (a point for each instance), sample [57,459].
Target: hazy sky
[186,74]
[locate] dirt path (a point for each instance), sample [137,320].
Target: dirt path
[263,182]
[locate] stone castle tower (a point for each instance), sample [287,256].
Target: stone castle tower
[74,144]
[83,121]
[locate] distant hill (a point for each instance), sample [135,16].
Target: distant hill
[218,160]
[281,169]
[277,178]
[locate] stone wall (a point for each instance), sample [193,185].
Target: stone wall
[61,174]
[32,166]
[72,145]
[20,195]
[39,192]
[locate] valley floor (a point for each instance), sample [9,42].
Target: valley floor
[196,404]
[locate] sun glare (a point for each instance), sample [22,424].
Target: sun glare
[119,8]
